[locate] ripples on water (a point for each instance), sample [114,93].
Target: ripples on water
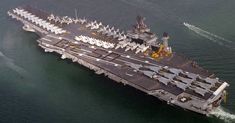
[10,64]
[151,8]
[212,37]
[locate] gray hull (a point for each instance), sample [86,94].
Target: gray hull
[174,79]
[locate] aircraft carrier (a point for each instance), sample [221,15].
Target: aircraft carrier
[138,57]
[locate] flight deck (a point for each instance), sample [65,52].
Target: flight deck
[137,57]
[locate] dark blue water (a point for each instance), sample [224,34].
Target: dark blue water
[36,87]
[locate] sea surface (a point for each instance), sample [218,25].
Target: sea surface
[37,87]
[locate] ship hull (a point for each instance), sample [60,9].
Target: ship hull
[128,68]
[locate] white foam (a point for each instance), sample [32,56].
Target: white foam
[223,115]
[215,38]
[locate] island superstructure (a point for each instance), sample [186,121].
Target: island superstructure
[138,57]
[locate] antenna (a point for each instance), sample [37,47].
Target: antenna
[76,14]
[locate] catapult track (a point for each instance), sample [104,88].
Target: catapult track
[175,79]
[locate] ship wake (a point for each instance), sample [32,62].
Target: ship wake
[212,37]
[222,114]
[10,64]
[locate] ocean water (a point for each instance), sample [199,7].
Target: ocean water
[37,87]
